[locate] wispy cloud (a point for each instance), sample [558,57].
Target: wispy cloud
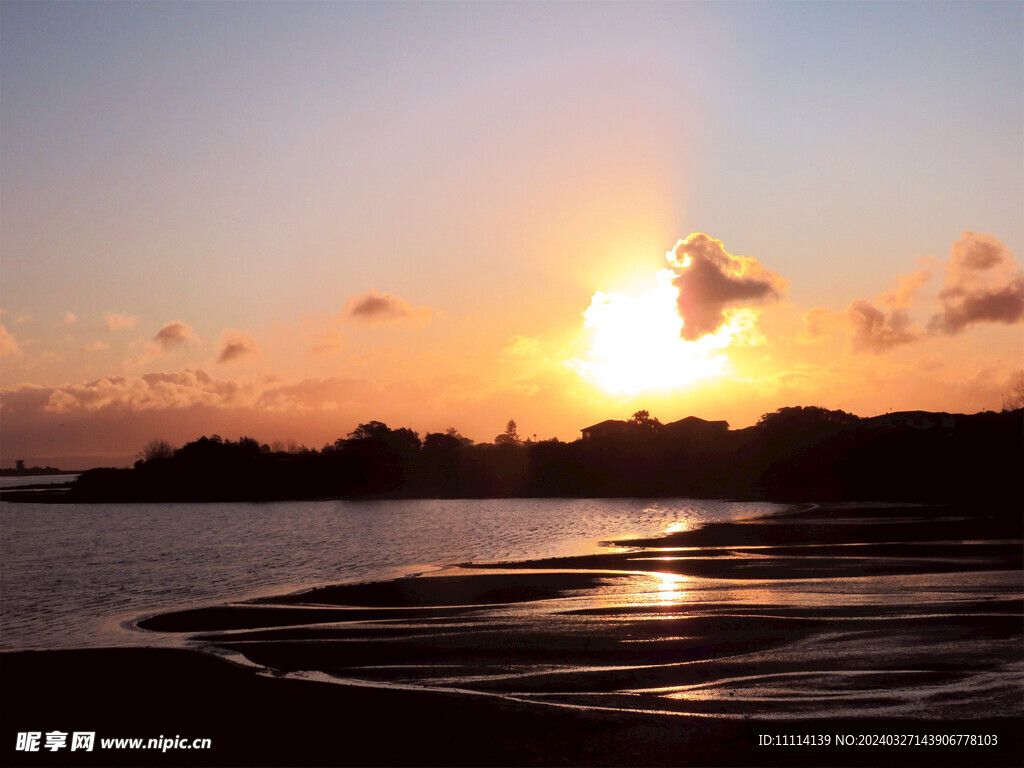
[8,345]
[820,322]
[520,346]
[906,290]
[115,321]
[328,343]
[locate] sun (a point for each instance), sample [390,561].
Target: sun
[636,344]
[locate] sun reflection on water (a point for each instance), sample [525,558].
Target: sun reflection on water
[669,587]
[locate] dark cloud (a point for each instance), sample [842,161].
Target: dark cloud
[983,285]
[236,345]
[976,252]
[373,308]
[174,335]
[710,281]
[965,308]
[878,331]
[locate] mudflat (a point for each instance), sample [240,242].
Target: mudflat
[844,635]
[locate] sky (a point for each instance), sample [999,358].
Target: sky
[285,219]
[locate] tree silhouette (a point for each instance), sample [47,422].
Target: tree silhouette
[510,436]
[1015,398]
[156,449]
[645,420]
[794,453]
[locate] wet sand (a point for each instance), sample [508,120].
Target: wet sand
[683,650]
[257,721]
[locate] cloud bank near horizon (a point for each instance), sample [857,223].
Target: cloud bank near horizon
[116,415]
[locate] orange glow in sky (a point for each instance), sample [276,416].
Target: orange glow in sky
[441,215]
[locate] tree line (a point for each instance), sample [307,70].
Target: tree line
[795,453]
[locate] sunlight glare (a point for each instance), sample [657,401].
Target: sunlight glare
[670,587]
[636,342]
[678,526]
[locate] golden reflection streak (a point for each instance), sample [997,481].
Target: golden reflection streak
[669,591]
[677,526]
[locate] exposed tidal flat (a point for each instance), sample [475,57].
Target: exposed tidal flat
[706,629]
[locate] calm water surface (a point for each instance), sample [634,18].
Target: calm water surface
[21,481]
[71,575]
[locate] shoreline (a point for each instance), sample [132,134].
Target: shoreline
[63,494]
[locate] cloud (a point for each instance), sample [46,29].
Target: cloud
[905,292]
[999,305]
[521,346]
[983,285]
[710,280]
[8,345]
[373,308]
[973,254]
[193,388]
[168,339]
[95,346]
[874,330]
[68,318]
[116,322]
[236,345]
[174,335]
[140,393]
[878,331]
[820,322]
[328,343]
[316,395]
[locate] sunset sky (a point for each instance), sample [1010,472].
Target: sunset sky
[284,219]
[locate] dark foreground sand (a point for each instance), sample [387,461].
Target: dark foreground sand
[903,624]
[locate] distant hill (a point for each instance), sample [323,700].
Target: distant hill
[71,463]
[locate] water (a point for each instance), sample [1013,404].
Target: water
[906,612]
[72,575]
[20,481]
